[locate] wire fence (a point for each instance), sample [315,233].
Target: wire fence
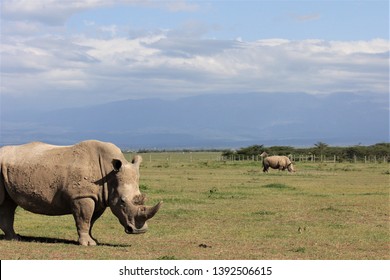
[177,157]
[313,158]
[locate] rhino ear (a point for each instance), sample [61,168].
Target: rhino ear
[117,164]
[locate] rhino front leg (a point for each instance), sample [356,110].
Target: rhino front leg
[95,216]
[83,209]
[7,216]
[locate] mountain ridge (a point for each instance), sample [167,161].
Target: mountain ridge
[210,121]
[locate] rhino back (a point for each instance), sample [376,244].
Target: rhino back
[287,160]
[45,178]
[273,161]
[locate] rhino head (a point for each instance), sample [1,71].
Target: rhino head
[125,200]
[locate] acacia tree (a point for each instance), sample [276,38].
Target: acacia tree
[321,146]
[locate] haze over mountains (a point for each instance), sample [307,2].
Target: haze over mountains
[209,121]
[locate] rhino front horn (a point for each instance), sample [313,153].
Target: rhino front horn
[149,212]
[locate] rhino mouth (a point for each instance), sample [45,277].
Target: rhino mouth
[130,229]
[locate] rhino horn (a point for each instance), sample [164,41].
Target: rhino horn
[149,212]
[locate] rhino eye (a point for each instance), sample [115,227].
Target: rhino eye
[123,200]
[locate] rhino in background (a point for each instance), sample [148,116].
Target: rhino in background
[82,180]
[276,162]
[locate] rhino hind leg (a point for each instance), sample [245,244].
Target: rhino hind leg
[83,210]
[7,216]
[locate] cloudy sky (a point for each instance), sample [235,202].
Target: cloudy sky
[60,53]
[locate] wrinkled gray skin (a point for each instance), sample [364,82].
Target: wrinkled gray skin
[276,162]
[82,180]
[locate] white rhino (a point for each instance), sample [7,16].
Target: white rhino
[82,180]
[276,162]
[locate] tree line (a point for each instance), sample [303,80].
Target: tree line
[320,149]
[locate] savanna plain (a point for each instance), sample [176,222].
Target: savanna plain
[231,210]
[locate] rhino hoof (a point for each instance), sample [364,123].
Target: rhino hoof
[14,237]
[87,242]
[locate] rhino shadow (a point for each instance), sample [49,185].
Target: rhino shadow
[50,240]
[42,239]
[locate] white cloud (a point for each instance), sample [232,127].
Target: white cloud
[52,12]
[156,64]
[180,5]
[66,67]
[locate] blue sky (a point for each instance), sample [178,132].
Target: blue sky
[57,53]
[250,20]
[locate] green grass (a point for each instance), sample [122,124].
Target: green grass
[278,186]
[231,210]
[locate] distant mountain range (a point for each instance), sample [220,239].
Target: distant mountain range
[210,121]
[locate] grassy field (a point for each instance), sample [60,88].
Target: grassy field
[231,210]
